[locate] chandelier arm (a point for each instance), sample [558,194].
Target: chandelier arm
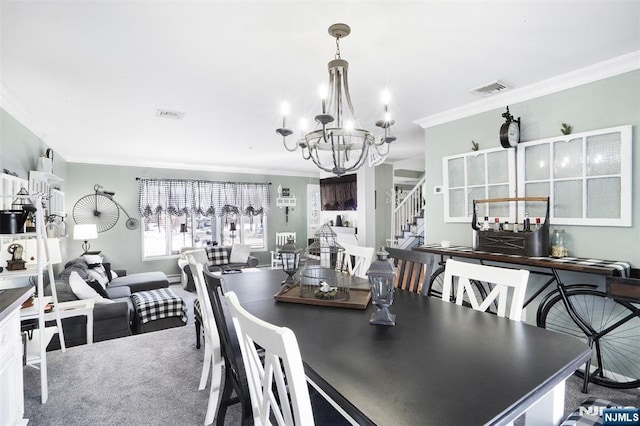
[347,95]
[308,152]
[363,156]
[332,95]
[380,140]
[339,110]
[319,165]
[380,150]
[284,142]
[336,161]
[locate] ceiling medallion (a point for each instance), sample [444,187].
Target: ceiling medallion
[337,145]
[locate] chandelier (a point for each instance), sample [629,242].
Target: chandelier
[337,145]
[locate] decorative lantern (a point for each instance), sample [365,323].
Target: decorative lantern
[381,277]
[320,279]
[23,204]
[290,262]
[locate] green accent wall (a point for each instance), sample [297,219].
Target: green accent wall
[123,246]
[610,102]
[20,148]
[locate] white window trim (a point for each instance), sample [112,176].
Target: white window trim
[625,178]
[176,255]
[511,183]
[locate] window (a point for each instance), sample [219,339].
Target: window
[165,235]
[586,175]
[478,175]
[186,213]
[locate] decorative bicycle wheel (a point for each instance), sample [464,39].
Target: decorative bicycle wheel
[436,284]
[96,209]
[615,331]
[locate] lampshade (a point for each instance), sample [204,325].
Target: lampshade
[31,251]
[85,232]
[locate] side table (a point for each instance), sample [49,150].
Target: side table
[69,309]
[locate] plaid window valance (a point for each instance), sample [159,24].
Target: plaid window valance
[177,197]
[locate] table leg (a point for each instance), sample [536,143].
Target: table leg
[90,328]
[549,410]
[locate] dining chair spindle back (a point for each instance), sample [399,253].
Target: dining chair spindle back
[412,266]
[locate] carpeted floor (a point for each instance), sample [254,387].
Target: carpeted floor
[152,379]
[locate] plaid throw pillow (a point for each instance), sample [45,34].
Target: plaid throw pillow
[217,256]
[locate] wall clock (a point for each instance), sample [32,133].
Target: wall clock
[509,131]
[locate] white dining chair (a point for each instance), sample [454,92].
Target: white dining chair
[500,280]
[281,239]
[277,383]
[213,361]
[356,260]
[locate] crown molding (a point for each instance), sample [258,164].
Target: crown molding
[599,71]
[13,108]
[193,167]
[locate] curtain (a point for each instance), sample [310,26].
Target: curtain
[338,194]
[177,197]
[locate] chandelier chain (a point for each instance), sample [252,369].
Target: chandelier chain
[337,48]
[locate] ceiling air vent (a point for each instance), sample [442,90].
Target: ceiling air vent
[490,89]
[165,113]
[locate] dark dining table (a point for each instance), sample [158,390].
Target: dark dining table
[442,364]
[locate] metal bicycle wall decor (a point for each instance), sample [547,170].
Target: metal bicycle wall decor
[102,210]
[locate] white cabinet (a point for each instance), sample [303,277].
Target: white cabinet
[11,390]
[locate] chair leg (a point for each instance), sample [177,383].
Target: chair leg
[206,365]
[198,332]
[225,400]
[214,390]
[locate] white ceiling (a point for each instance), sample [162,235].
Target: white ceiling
[90,75]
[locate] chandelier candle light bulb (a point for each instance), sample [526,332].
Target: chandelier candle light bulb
[347,143]
[323,97]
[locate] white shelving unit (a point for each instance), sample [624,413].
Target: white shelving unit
[37,354]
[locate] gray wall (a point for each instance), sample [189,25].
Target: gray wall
[383,187]
[19,152]
[123,246]
[611,102]
[20,149]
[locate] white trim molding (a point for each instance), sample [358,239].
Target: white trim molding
[599,71]
[13,108]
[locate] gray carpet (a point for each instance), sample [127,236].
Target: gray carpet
[152,379]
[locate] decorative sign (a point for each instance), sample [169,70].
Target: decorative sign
[286,192]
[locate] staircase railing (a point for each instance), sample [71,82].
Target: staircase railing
[411,206]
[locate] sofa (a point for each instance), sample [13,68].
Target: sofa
[112,318]
[237,256]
